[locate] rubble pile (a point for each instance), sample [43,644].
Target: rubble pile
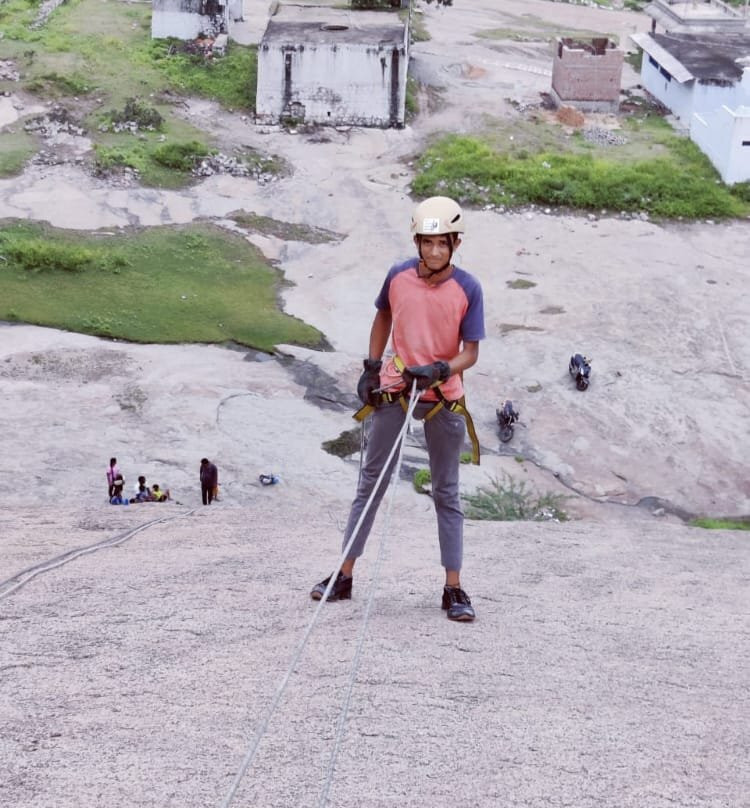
[8,71]
[54,123]
[603,137]
[225,164]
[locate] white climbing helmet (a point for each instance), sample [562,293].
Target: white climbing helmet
[436,216]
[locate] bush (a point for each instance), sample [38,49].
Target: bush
[509,501]
[422,480]
[146,117]
[40,256]
[181,156]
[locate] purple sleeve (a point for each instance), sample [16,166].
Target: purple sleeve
[381,301]
[472,325]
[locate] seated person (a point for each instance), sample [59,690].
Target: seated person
[159,495]
[142,491]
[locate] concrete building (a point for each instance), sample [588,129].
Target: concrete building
[586,74]
[711,16]
[333,66]
[189,19]
[704,79]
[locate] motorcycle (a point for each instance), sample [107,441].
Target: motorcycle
[506,417]
[580,369]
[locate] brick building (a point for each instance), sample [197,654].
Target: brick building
[586,74]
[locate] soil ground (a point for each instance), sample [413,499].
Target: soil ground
[609,663]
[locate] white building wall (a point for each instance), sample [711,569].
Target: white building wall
[169,19]
[179,24]
[677,97]
[346,83]
[724,137]
[691,97]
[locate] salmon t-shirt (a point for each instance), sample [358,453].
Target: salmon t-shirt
[430,322]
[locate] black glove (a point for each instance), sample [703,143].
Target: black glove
[426,375]
[369,381]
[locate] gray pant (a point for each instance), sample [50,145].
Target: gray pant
[444,433]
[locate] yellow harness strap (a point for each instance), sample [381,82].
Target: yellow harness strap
[458,407]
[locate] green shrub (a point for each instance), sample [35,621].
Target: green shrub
[181,156]
[146,117]
[109,158]
[742,191]
[41,256]
[721,524]
[422,480]
[509,501]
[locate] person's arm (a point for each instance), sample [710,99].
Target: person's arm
[464,360]
[440,371]
[380,333]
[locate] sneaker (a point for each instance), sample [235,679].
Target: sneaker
[456,602]
[342,589]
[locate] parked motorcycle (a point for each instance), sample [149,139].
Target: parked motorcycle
[580,369]
[506,417]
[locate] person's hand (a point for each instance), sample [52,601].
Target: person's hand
[426,375]
[369,381]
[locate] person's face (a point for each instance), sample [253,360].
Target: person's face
[436,251]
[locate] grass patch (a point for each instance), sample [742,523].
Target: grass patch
[232,80]
[161,165]
[411,102]
[722,524]
[288,231]
[422,481]
[93,57]
[53,85]
[16,147]
[195,283]
[683,183]
[347,443]
[508,501]
[530,28]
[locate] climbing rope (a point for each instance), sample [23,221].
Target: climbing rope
[249,758]
[21,578]
[368,609]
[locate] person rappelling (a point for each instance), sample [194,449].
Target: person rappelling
[433,313]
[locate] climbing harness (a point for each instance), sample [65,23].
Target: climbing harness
[387,395]
[260,732]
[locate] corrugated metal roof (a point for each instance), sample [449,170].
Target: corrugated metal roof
[675,68]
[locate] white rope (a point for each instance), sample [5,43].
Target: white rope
[20,579]
[368,608]
[247,761]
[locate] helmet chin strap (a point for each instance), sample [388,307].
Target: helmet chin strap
[431,272]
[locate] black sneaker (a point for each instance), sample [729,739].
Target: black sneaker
[456,602]
[342,589]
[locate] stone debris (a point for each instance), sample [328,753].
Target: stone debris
[125,126]
[603,137]
[54,123]
[8,71]
[225,164]
[45,9]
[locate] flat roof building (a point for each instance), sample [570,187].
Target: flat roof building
[333,66]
